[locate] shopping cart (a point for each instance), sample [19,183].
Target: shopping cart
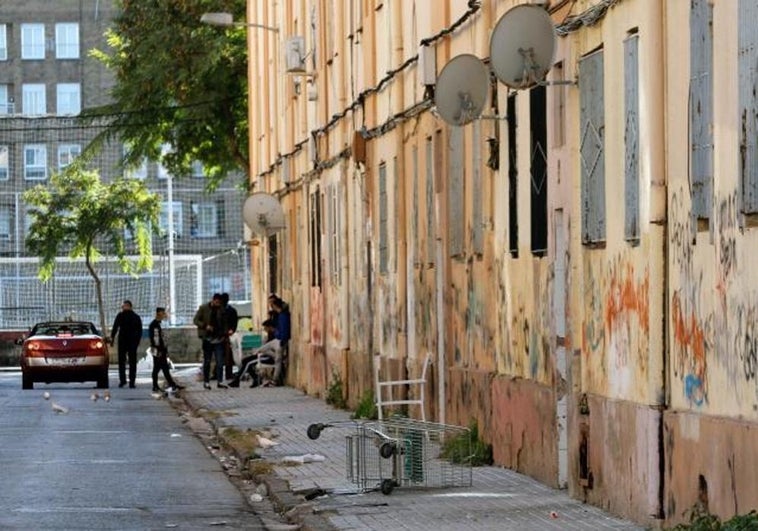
[369,454]
[402,452]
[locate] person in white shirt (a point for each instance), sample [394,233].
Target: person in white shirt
[267,354]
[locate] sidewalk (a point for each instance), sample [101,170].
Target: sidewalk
[499,498]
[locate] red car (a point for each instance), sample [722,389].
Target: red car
[64,351]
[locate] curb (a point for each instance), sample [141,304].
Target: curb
[290,509]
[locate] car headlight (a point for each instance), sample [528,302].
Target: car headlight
[32,346]
[96,345]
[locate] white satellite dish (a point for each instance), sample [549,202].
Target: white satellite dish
[522,46]
[461,89]
[263,214]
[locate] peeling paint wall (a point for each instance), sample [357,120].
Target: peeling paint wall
[573,365]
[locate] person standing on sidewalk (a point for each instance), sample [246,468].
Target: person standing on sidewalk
[231,317]
[128,327]
[283,332]
[160,358]
[209,320]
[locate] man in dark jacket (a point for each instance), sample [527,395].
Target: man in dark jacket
[210,321]
[160,358]
[128,327]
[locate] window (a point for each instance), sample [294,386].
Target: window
[415,213]
[35,162]
[539,181]
[748,106]
[456,192]
[197,170]
[4,165]
[512,176]
[135,172]
[335,250]
[631,141]
[67,153]
[5,106]
[477,207]
[69,98]
[34,100]
[3,42]
[315,236]
[176,221]
[383,220]
[701,107]
[592,147]
[429,194]
[5,222]
[67,40]
[32,41]
[162,170]
[203,220]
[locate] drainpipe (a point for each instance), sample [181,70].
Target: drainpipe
[656,87]
[401,249]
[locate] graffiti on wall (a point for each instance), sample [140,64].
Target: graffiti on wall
[616,329]
[691,337]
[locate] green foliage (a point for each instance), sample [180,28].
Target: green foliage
[701,520]
[366,407]
[334,393]
[179,82]
[468,448]
[76,213]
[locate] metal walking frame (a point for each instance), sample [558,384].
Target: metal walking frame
[402,452]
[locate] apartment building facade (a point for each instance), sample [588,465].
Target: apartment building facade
[47,76]
[577,260]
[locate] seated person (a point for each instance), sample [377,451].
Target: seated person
[268,353]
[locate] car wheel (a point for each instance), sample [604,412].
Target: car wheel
[26,382]
[102,381]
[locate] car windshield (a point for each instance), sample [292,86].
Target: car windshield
[63,329]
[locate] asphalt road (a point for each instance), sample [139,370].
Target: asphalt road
[129,463]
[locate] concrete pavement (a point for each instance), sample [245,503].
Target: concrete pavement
[498,498]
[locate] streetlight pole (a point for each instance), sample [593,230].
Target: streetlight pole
[227,20]
[224,19]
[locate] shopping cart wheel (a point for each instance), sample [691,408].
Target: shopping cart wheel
[388,485]
[314,431]
[387,450]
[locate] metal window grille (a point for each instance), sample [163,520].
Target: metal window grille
[538,173]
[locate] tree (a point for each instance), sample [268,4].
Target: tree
[77,213]
[178,83]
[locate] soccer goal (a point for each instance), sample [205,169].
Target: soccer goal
[70,293]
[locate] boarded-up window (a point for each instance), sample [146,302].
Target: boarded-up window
[538,172]
[512,177]
[701,107]
[315,232]
[631,140]
[591,147]
[477,213]
[430,234]
[456,193]
[415,208]
[383,220]
[748,75]
[335,236]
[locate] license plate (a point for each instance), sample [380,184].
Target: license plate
[65,361]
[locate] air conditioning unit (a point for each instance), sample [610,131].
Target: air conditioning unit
[294,55]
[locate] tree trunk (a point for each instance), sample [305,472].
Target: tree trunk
[98,292]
